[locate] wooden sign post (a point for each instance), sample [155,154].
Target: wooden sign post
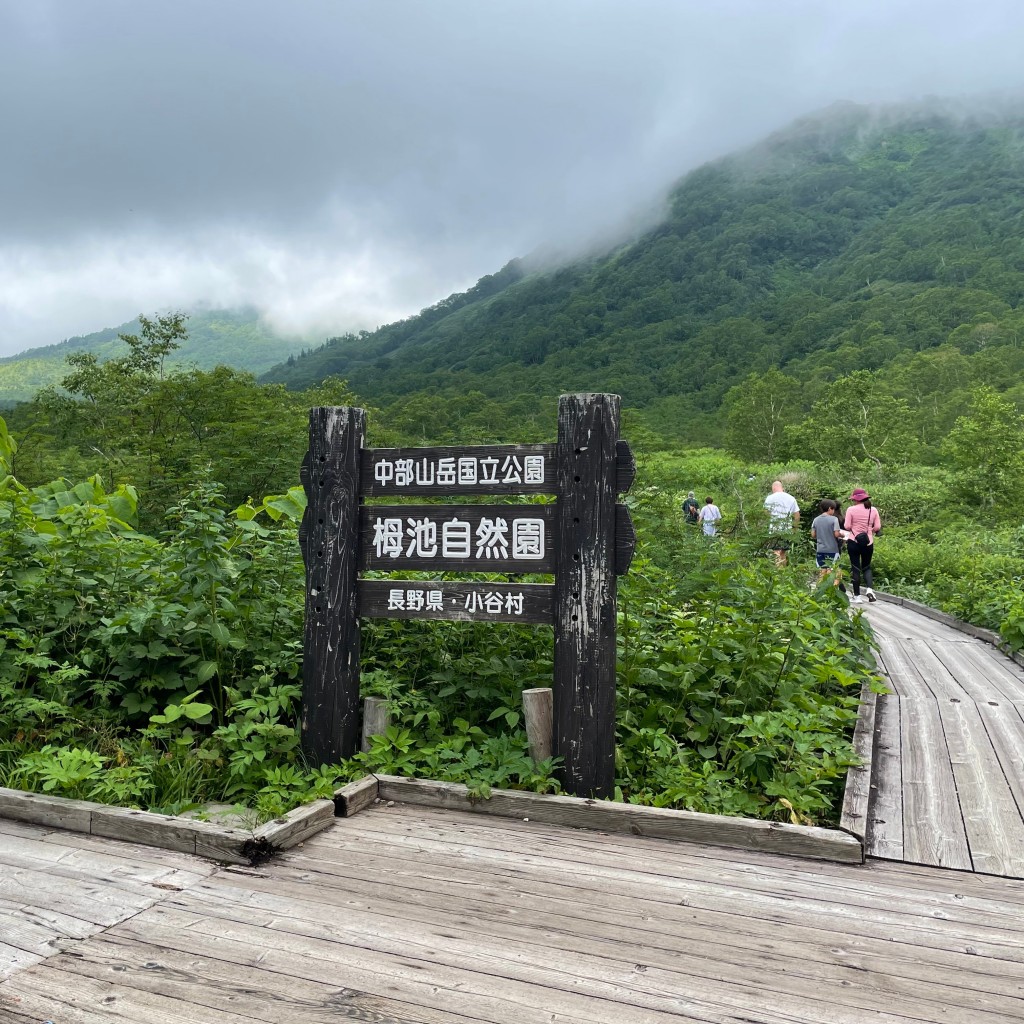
[585,540]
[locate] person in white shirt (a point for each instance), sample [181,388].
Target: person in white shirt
[708,516]
[783,515]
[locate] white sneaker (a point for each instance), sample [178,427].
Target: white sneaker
[856,599]
[870,595]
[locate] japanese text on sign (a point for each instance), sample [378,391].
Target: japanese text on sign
[493,538]
[463,470]
[492,602]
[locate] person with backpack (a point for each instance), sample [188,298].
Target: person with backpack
[691,509]
[862,524]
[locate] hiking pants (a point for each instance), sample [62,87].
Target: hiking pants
[860,564]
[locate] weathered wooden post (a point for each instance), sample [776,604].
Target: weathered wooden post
[329,537]
[538,704]
[585,601]
[376,720]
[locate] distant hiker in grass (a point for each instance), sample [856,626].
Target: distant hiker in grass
[862,525]
[783,515]
[691,510]
[709,515]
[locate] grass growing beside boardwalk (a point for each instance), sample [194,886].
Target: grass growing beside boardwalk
[164,671]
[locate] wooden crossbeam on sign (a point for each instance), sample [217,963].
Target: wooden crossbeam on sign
[478,469]
[426,538]
[526,603]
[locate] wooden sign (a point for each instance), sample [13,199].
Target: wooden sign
[585,539]
[484,469]
[457,538]
[528,603]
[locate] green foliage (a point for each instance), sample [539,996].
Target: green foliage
[236,338]
[758,411]
[738,685]
[815,254]
[134,418]
[856,420]
[162,671]
[986,450]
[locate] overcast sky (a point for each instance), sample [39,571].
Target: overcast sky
[339,164]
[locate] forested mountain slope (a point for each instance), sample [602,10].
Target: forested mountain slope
[850,238]
[236,338]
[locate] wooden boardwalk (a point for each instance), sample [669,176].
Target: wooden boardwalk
[949,749]
[404,914]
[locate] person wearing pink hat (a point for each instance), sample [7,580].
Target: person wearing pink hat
[861,525]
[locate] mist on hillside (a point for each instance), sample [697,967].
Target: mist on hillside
[341,166]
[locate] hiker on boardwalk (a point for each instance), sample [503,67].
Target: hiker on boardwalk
[783,515]
[691,510]
[862,525]
[827,534]
[708,516]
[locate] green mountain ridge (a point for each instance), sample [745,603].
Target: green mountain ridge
[235,338]
[847,241]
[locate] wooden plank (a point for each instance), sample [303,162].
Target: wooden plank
[135,856]
[854,816]
[244,989]
[410,831]
[903,622]
[457,538]
[297,825]
[50,991]
[26,829]
[355,797]
[899,657]
[688,826]
[912,919]
[885,834]
[743,948]
[1004,673]
[51,811]
[664,857]
[164,830]
[995,829]
[945,683]
[654,934]
[1006,732]
[596,969]
[528,603]
[413,971]
[933,826]
[663,864]
[128,824]
[330,667]
[585,600]
[14,959]
[975,668]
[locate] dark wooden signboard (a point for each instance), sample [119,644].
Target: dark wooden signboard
[529,603]
[585,539]
[457,538]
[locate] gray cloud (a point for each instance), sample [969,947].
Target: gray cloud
[339,164]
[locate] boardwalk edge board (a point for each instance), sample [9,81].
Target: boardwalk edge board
[167,831]
[654,822]
[978,632]
[356,796]
[854,816]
